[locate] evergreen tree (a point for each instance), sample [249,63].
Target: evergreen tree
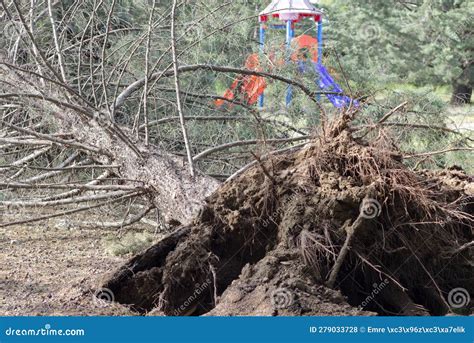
[423,41]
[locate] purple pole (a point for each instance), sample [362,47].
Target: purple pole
[289,37]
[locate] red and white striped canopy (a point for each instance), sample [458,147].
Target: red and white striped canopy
[290,10]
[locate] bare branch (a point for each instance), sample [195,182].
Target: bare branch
[56,42]
[178,92]
[185,69]
[243,143]
[66,213]
[439,152]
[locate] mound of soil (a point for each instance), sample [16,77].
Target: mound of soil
[340,227]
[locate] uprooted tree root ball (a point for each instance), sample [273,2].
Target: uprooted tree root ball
[339,227]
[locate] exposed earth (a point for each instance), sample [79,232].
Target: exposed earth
[54,271]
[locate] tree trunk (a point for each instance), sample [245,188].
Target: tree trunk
[462,86]
[462,94]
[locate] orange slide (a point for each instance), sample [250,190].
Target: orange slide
[247,88]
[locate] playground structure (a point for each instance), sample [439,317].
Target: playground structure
[301,50]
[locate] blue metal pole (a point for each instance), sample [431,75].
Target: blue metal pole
[320,40]
[320,47]
[261,98]
[289,37]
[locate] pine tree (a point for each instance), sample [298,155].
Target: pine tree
[423,42]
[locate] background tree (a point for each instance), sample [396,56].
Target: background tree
[425,42]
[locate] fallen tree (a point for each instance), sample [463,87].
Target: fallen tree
[284,234]
[341,213]
[148,169]
[338,213]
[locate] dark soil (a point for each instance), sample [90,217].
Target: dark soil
[267,242]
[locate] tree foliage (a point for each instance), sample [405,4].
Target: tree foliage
[426,42]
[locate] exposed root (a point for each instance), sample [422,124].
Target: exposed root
[340,212]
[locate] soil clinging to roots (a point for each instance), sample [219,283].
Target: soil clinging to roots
[339,227]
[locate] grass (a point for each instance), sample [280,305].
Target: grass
[130,243]
[462,117]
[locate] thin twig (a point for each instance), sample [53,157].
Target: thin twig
[178,92]
[56,42]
